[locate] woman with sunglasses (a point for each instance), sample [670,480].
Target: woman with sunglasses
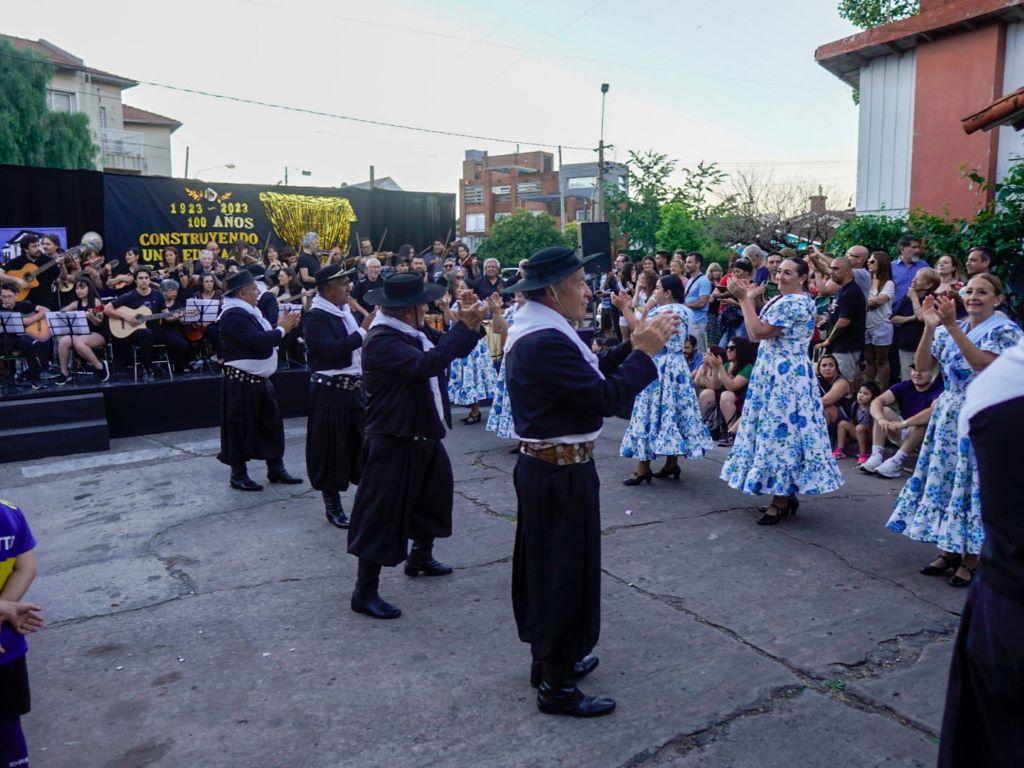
[729,384]
[782,446]
[666,419]
[877,322]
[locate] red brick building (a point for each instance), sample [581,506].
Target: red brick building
[917,78]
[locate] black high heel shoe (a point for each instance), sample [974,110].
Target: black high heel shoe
[770,519]
[638,479]
[472,419]
[666,472]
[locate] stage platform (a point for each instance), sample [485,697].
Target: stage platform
[78,418]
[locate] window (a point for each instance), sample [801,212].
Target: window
[475,222]
[501,189]
[583,182]
[103,117]
[61,101]
[504,215]
[474,195]
[528,188]
[583,215]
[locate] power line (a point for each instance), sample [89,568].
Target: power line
[332,115]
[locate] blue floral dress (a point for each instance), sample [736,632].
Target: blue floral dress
[472,378]
[666,418]
[941,502]
[782,445]
[499,420]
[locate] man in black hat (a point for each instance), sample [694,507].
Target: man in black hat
[559,390]
[406,489]
[337,405]
[250,426]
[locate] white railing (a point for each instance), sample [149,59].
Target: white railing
[123,143]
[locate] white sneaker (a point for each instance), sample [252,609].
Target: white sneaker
[873,463]
[889,468]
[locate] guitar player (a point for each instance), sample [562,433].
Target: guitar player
[143,295]
[44,294]
[20,341]
[168,331]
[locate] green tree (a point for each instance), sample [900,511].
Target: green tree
[519,236]
[572,234]
[679,229]
[636,215]
[873,13]
[29,133]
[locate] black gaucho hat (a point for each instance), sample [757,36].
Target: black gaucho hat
[237,281]
[256,270]
[332,272]
[405,289]
[548,266]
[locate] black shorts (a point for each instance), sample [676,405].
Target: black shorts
[14,694]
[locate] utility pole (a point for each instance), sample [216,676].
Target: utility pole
[186,161]
[561,189]
[286,175]
[599,206]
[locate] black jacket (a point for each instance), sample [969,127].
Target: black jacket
[243,338]
[268,307]
[328,344]
[396,379]
[554,391]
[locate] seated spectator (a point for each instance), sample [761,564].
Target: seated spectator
[914,400]
[491,281]
[858,425]
[694,357]
[729,384]
[835,391]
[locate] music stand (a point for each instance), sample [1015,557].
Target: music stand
[69,324]
[207,311]
[11,324]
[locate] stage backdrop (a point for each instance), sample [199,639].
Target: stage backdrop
[124,209]
[151,213]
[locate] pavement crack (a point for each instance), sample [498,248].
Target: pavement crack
[485,507]
[668,752]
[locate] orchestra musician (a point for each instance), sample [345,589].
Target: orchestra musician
[168,330]
[22,342]
[86,300]
[337,405]
[32,256]
[121,277]
[251,425]
[142,295]
[309,263]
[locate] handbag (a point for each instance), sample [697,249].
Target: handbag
[731,317]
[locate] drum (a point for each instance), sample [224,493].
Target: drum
[493,341]
[436,322]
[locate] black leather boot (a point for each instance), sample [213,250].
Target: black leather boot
[365,598]
[558,694]
[580,669]
[276,473]
[421,561]
[241,481]
[332,507]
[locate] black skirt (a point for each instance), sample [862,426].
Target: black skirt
[405,492]
[556,565]
[334,436]
[983,723]
[250,422]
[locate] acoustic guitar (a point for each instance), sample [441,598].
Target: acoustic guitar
[38,330]
[30,272]
[122,328]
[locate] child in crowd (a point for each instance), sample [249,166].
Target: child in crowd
[17,570]
[858,426]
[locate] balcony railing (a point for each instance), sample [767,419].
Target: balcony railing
[122,143]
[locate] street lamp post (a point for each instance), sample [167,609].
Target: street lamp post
[229,166]
[599,207]
[304,173]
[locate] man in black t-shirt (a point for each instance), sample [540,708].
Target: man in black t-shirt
[33,257]
[490,282]
[309,263]
[357,301]
[25,344]
[142,296]
[846,318]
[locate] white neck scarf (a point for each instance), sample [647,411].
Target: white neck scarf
[425,343]
[1001,381]
[232,303]
[319,302]
[534,316]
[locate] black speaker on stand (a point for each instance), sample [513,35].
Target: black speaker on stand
[595,237]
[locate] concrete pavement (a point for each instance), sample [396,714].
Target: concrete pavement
[189,624]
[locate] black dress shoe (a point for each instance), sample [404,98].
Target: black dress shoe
[281,476]
[338,519]
[580,669]
[638,479]
[245,483]
[422,562]
[333,510]
[570,700]
[374,606]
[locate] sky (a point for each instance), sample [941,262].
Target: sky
[728,82]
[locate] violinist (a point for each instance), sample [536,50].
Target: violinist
[309,263]
[86,300]
[366,248]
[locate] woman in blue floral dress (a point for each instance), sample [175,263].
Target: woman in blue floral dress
[782,444]
[666,418]
[940,502]
[472,379]
[499,420]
